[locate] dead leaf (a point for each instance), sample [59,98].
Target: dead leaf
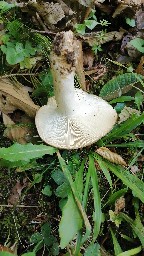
[140,19]
[14,97]
[79,65]
[126,114]
[96,38]
[5,249]
[15,193]
[131,2]
[140,67]
[111,156]
[88,58]
[119,9]
[51,13]
[17,132]
[134,169]
[119,204]
[87,3]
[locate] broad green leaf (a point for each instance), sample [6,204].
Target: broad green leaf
[124,128]
[18,152]
[91,23]
[105,171]
[97,200]
[58,177]
[76,196]
[6,254]
[92,249]
[49,239]
[117,248]
[119,85]
[138,43]
[47,190]
[38,178]
[131,252]
[71,222]
[130,180]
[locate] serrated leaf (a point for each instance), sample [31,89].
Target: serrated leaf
[18,152]
[111,156]
[119,85]
[71,222]
[80,28]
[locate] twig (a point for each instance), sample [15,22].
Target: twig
[20,206]
[20,74]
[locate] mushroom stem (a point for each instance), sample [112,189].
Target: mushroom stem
[63,60]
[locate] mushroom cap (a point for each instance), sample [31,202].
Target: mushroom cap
[90,119]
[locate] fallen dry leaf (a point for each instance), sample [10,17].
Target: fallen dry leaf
[15,96]
[140,67]
[15,193]
[119,204]
[5,249]
[126,113]
[111,156]
[96,38]
[51,13]
[16,132]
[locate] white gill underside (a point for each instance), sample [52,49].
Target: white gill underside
[88,122]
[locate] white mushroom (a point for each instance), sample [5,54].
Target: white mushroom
[73,118]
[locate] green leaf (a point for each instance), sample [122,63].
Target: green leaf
[47,190]
[29,254]
[46,232]
[79,180]
[37,178]
[124,128]
[116,195]
[63,190]
[80,28]
[117,248]
[71,222]
[119,85]
[18,152]
[136,225]
[92,249]
[105,171]
[131,22]
[4,6]
[36,237]
[139,99]
[97,200]
[135,144]
[58,177]
[6,254]
[131,252]
[130,180]
[138,43]
[90,23]
[122,99]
